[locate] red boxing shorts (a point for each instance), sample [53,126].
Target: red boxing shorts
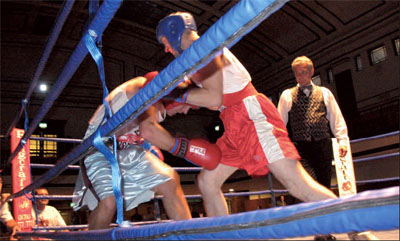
[254,136]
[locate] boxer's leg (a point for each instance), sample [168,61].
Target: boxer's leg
[210,183]
[174,200]
[298,182]
[103,214]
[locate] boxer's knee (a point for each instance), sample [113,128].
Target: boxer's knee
[108,205]
[201,181]
[175,181]
[288,172]
[207,183]
[212,181]
[169,186]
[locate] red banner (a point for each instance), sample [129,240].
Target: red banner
[21,177]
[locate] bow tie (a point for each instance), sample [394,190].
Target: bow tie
[308,87]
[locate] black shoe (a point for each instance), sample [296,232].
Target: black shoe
[325,237]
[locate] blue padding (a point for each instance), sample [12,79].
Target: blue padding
[371,210]
[225,32]
[331,216]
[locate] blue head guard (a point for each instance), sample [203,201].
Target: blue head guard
[173,26]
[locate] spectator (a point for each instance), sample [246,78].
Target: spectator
[47,215]
[5,215]
[150,214]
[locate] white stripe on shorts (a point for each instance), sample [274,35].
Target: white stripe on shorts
[268,141]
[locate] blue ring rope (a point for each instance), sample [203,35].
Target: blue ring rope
[376,137]
[98,24]
[45,56]
[73,140]
[235,194]
[197,169]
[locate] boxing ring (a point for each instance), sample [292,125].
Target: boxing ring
[348,213]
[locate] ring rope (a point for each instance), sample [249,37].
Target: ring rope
[234,194]
[394,133]
[376,157]
[62,16]
[72,140]
[197,169]
[65,140]
[98,24]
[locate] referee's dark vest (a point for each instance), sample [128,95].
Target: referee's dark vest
[307,117]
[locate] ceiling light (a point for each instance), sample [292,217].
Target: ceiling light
[43,87]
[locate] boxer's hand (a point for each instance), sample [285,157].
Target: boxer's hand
[197,151]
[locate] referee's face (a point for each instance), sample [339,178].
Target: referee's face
[303,73]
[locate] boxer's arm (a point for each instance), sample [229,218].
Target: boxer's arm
[210,77]
[197,151]
[153,132]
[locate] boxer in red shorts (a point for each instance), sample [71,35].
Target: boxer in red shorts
[255,137]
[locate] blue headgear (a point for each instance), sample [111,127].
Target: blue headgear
[173,26]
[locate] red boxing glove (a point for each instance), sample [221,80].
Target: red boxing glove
[197,151]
